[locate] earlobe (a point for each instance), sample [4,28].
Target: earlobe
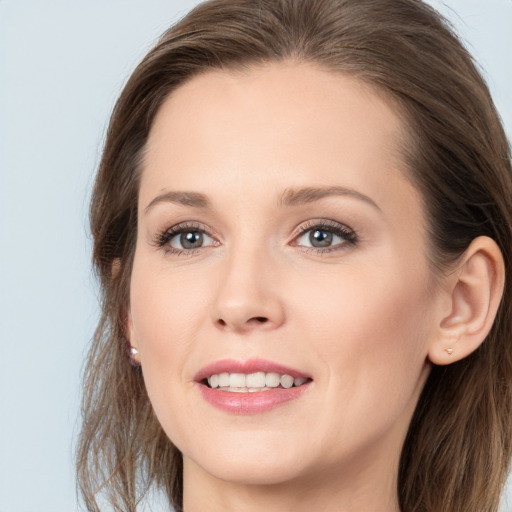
[475,289]
[133,348]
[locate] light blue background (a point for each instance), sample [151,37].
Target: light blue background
[62,65]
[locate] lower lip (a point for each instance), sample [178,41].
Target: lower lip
[251,403]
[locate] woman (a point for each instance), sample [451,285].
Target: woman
[302,230]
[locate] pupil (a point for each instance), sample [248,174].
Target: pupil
[320,238]
[191,240]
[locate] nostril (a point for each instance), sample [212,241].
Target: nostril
[243,324]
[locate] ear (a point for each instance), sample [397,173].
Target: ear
[128,327]
[473,290]
[132,339]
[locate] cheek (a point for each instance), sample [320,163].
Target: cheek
[368,334]
[369,299]
[166,309]
[370,326]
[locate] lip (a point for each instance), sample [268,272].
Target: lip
[249,403]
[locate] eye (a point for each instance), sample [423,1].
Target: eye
[190,240]
[325,236]
[184,239]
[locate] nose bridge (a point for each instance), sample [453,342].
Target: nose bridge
[248,297]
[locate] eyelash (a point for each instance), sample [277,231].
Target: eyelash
[163,238]
[348,235]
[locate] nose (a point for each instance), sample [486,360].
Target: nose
[249,297]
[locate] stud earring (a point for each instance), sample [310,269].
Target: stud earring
[132,353]
[449,350]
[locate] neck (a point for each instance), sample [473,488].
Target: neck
[371,489]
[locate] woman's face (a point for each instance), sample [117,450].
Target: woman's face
[278,235]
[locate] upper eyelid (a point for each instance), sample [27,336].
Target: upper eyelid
[189,225]
[326,223]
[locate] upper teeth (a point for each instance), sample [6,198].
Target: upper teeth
[248,382]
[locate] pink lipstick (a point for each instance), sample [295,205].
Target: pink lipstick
[250,387]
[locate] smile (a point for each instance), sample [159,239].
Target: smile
[253,382]
[250,387]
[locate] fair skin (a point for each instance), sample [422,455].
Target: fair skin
[354,309]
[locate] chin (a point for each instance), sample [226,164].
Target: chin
[251,472]
[254,463]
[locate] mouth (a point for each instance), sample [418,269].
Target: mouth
[252,386]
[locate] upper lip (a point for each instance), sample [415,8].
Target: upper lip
[249,366]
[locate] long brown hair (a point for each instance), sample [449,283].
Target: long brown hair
[457,451]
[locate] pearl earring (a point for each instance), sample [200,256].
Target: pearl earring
[132,354]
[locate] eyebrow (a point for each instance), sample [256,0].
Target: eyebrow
[194,199]
[290,197]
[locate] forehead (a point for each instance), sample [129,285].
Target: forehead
[287,124]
